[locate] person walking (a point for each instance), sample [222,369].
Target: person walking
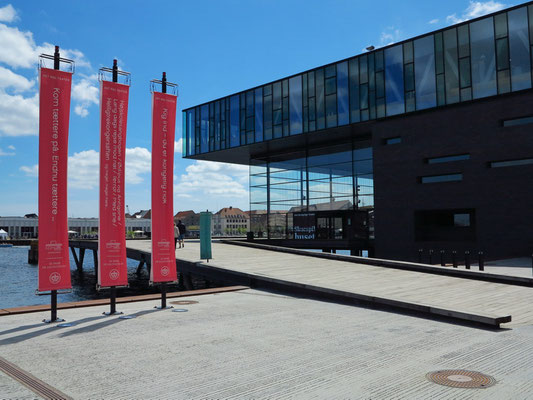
[176,235]
[182,231]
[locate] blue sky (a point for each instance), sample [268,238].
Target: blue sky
[210,48]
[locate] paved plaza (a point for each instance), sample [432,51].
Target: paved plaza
[254,344]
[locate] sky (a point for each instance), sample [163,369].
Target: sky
[209,48]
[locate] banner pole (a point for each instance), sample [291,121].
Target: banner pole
[164,284]
[53,305]
[113,291]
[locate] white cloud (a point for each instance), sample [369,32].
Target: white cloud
[7,153]
[11,147]
[390,35]
[83,168]
[19,116]
[206,178]
[30,171]
[178,146]
[85,93]
[8,79]
[434,21]
[8,14]
[475,9]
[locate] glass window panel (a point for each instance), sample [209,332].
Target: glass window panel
[331,111]
[278,131]
[445,159]
[295,100]
[363,69]
[380,84]
[259,115]
[425,73]
[234,121]
[439,54]
[441,90]
[500,25]
[464,69]
[311,83]
[504,81]
[530,12]
[320,115]
[464,41]
[204,128]
[410,101]
[442,178]
[379,60]
[483,58]
[371,72]
[502,54]
[277,117]
[331,86]
[312,114]
[450,66]
[466,94]
[409,77]
[330,71]
[342,94]
[267,90]
[518,121]
[393,140]
[394,88]
[380,107]
[519,49]
[285,88]
[363,154]
[511,163]
[267,115]
[250,103]
[190,131]
[354,90]
[364,96]
[408,56]
[276,100]
[364,115]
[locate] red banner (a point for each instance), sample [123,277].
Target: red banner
[112,225]
[54,112]
[163,131]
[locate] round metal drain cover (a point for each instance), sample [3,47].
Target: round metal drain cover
[460,378]
[184,302]
[180,310]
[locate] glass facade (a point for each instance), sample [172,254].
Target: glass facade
[489,56]
[322,179]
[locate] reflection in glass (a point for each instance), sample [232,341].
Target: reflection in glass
[320,116]
[234,121]
[354,90]
[259,115]
[295,99]
[342,94]
[519,49]
[483,58]
[204,128]
[425,73]
[394,80]
[450,66]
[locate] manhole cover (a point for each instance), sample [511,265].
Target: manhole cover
[184,302]
[460,378]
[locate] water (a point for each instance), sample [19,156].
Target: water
[18,280]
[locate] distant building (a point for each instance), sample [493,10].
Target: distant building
[230,221]
[146,214]
[22,227]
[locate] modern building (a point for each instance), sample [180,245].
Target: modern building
[427,144]
[230,221]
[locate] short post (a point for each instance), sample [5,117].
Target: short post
[431,257]
[467,259]
[420,255]
[442,264]
[163,295]
[53,307]
[454,258]
[481,261]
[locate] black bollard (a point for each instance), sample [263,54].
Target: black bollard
[467,259]
[481,261]
[431,257]
[454,258]
[442,264]
[420,256]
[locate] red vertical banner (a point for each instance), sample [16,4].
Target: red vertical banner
[112,225]
[163,132]
[54,113]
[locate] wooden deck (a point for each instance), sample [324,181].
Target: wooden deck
[462,298]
